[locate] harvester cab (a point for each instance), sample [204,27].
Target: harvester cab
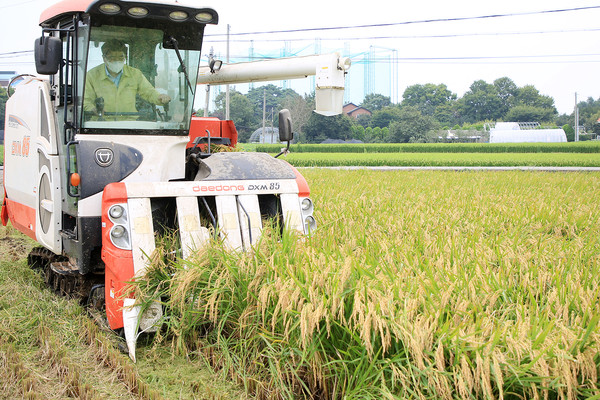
[99,155]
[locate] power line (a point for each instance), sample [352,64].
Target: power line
[424,21]
[483,62]
[17,63]
[491,57]
[18,4]
[358,58]
[437,36]
[13,54]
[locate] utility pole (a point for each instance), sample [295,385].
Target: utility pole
[264,113]
[576,120]
[207,98]
[227,86]
[272,139]
[206,101]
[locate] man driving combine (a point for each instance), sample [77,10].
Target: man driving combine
[111,87]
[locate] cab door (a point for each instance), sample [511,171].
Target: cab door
[48,196]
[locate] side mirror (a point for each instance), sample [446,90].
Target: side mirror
[48,54]
[12,85]
[215,65]
[285,126]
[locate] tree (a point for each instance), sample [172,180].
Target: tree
[528,95]
[507,92]
[364,120]
[271,95]
[570,132]
[375,101]
[241,111]
[594,125]
[527,104]
[427,98]
[358,132]
[589,111]
[3,98]
[301,109]
[384,117]
[447,114]
[411,126]
[522,113]
[481,102]
[320,128]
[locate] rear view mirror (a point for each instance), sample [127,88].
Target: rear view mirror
[14,82]
[48,54]
[285,126]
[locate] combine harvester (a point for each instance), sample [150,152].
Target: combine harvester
[93,173]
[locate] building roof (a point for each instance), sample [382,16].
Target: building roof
[351,108]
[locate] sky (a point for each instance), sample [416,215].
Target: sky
[434,41]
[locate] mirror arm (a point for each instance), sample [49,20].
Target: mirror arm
[284,151]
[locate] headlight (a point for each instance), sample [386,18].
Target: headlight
[110,8]
[306,204]
[118,232]
[310,224]
[120,237]
[116,212]
[137,11]
[204,17]
[178,15]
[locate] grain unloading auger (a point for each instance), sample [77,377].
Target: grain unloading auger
[101,156]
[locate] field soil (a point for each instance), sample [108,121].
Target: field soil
[53,348]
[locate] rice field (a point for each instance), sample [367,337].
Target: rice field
[417,284]
[405,159]
[577,154]
[567,147]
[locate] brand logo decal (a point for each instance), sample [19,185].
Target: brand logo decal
[218,188]
[104,157]
[16,122]
[269,186]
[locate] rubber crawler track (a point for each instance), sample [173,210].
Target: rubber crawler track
[70,285]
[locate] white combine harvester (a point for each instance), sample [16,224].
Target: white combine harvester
[92,178]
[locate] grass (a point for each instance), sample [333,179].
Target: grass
[444,159]
[580,154]
[50,348]
[571,147]
[421,284]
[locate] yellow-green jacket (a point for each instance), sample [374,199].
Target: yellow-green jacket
[121,99]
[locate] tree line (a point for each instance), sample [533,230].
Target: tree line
[424,111]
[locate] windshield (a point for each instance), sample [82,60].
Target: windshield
[135,85]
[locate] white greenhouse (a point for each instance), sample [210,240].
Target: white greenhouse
[519,132]
[271,135]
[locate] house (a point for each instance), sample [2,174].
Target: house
[352,110]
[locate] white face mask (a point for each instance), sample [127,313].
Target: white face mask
[115,66]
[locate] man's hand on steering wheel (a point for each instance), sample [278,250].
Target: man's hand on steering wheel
[163,99]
